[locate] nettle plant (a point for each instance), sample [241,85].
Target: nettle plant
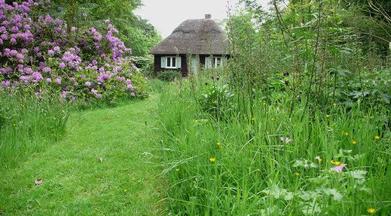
[39,52]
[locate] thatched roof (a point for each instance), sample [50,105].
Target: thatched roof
[195,36]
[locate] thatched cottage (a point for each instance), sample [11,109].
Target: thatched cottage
[194,45]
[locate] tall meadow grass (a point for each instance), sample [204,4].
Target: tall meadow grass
[28,123]
[274,161]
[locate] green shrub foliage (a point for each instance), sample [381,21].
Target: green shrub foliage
[169,76]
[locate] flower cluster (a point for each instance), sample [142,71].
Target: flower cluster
[71,59]
[39,52]
[117,46]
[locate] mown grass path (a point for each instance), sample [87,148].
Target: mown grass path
[103,166]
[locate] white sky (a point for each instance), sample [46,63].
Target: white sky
[166,15]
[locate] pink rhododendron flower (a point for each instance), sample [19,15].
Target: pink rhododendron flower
[46,70]
[56,49]
[26,47]
[103,77]
[5,83]
[58,80]
[37,76]
[25,79]
[28,70]
[96,94]
[51,52]
[64,94]
[13,41]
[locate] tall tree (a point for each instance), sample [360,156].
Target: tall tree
[136,32]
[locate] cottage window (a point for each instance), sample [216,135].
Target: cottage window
[213,62]
[216,62]
[168,65]
[171,62]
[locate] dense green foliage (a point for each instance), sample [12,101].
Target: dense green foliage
[314,46]
[136,32]
[169,75]
[297,124]
[274,163]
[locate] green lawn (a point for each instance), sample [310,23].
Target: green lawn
[104,165]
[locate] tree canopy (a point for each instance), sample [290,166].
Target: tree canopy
[136,32]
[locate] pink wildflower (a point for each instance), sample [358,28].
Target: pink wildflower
[339,168]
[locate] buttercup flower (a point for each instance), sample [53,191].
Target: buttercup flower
[354,142]
[212,159]
[371,211]
[377,137]
[336,163]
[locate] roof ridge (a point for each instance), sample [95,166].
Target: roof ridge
[196,36]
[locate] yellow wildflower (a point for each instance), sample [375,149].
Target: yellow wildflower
[371,210]
[377,137]
[336,163]
[354,142]
[212,159]
[219,146]
[345,133]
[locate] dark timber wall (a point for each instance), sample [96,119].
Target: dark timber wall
[157,64]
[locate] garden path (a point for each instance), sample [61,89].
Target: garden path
[103,166]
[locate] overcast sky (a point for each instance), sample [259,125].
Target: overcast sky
[166,15]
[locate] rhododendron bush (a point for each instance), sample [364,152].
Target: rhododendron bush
[37,52]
